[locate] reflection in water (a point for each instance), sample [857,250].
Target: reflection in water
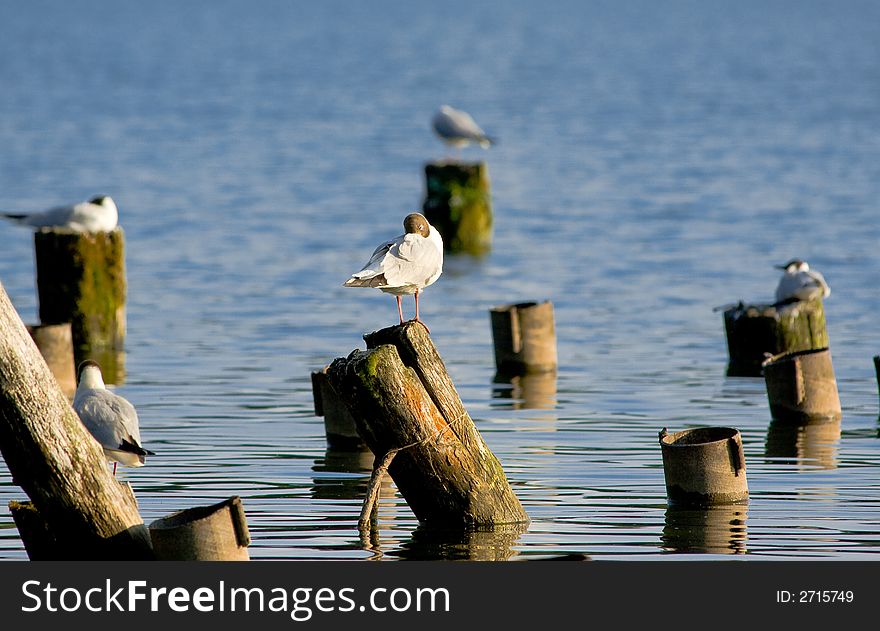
[480,544]
[344,475]
[111,361]
[815,442]
[530,391]
[719,529]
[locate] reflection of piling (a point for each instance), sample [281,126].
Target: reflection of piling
[535,390]
[458,203]
[56,346]
[801,386]
[812,443]
[81,280]
[708,530]
[206,533]
[704,466]
[524,335]
[409,413]
[339,426]
[753,331]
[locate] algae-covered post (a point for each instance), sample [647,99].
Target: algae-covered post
[81,280]
[408,412]
[458,203]
[52,456]
[756,331]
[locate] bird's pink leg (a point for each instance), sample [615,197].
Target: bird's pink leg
[417,313]
[399,309]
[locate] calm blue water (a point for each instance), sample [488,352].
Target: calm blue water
[655,162]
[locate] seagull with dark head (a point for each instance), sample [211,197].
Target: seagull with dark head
[111,419]
[96,215]
[405,264]
[799,282]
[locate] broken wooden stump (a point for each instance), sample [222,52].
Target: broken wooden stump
[408,412]
[55,342]
[801,386]
[704,466]
[339,426]
[524,335]
[218,532]
[756,331]
[54,458]
[81,280]
[458,203]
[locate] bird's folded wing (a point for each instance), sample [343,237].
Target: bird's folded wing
[413,262]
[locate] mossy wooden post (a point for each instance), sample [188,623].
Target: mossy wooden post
[55,342]
[458,203]
[81,280]
[339,426]
[756,331]
[406,408]
[206,533]
[52,456]
[524,335]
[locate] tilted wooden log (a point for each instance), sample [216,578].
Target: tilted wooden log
[756,331]
[404,403]
[81,280]
[458,203]
[52,456]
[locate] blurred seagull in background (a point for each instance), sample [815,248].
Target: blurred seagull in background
[458,129]
[799,282]
[96,215]
[111,419]
[406,264]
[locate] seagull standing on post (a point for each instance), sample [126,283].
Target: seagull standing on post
[799,282]
[405,264]
[96,215]
[111,419]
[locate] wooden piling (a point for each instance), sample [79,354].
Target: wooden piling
[458,203]
[339,426]
[756,331]
[54,458]
[801,386]
[524,335]
[81,280]
[55,342]
[877,371]
[206,533]
[408,412]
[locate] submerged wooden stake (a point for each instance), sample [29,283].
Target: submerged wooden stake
[402,399]
[339,426]
[206,533]
[458,203]
[801,386]
[525,338]
[756,331]
[52,456]
[55,342]
[81,280]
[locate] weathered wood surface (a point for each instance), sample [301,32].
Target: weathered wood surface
[81,280]
[55,342]
[458,203]
[402,398]
[51,455]
[756,331]
[524,336]
[801,386]
[339,426]
[218,532]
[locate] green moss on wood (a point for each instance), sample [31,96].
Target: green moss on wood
[458,203]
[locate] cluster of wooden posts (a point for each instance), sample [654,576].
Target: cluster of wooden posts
[76,508]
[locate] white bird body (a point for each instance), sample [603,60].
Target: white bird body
[458,128]
[405,264]
[97,215]
[799,282]
[110,418]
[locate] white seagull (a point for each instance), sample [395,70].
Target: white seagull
[96,215]
[111,419]
[799,282]
[458,129]
[406,264]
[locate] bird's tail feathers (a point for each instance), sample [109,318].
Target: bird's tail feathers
[372,281]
